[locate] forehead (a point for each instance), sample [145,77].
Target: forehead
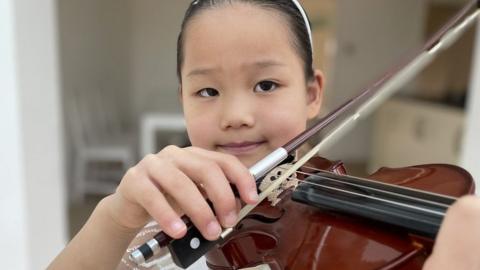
[235,33]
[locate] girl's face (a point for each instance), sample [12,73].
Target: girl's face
[243,85]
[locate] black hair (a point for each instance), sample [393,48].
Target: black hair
[300,32]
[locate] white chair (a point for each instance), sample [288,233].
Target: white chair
[170,127]
[102,150]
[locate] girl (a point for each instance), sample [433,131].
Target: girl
[247,86]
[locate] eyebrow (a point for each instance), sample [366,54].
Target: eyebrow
[258,65]
[267,64]
[201,71]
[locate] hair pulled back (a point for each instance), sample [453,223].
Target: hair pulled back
[296,22]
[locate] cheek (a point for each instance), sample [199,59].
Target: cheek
[199,126]
[288,121]
[285,125]
[195,133]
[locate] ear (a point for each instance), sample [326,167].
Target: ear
[315,94]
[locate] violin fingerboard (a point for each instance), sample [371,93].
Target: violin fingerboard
[190,248]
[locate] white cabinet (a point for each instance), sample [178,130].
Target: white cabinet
[409,132]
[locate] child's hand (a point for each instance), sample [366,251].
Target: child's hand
[458,240]
[173,182]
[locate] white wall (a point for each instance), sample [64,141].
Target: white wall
[372,36]
[155,26]
[94,46]
[95,37]
[32,204]
[13,212]
[471,143]
[124,48]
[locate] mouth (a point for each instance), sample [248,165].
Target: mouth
[240,148]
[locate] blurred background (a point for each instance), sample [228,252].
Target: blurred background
[88,87]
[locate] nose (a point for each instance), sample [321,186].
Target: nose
[238,112]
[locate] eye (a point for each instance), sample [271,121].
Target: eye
[207,92]
[266,86]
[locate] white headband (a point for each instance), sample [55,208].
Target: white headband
[305,18]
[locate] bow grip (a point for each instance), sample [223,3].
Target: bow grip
[190,248]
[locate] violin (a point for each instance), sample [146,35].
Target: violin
[312,215]
[335,221]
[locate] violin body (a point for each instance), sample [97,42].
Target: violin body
[293,235]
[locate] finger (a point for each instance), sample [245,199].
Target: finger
[235,172]
[207,174]
[214,182]
[186,194]
[447,247]
[157,206]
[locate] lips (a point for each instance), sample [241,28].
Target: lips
[239,148]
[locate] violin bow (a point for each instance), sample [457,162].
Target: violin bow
[192,246]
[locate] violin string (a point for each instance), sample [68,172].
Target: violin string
[376,189]
[385,184]
[421,209]
[382,184]
[393,194]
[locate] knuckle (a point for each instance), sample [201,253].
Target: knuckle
[173,181]
[177,184]
[130,180]
[209,170]
[170,153]
[149,159]
[149,200]
[132,173]
[231,159]
[191,148]
[227,204]
[225,158]
[169,149]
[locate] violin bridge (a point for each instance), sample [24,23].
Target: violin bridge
[290,181]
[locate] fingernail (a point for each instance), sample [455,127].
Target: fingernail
[231,219]
[178,226]
[213,229]
[253,196]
